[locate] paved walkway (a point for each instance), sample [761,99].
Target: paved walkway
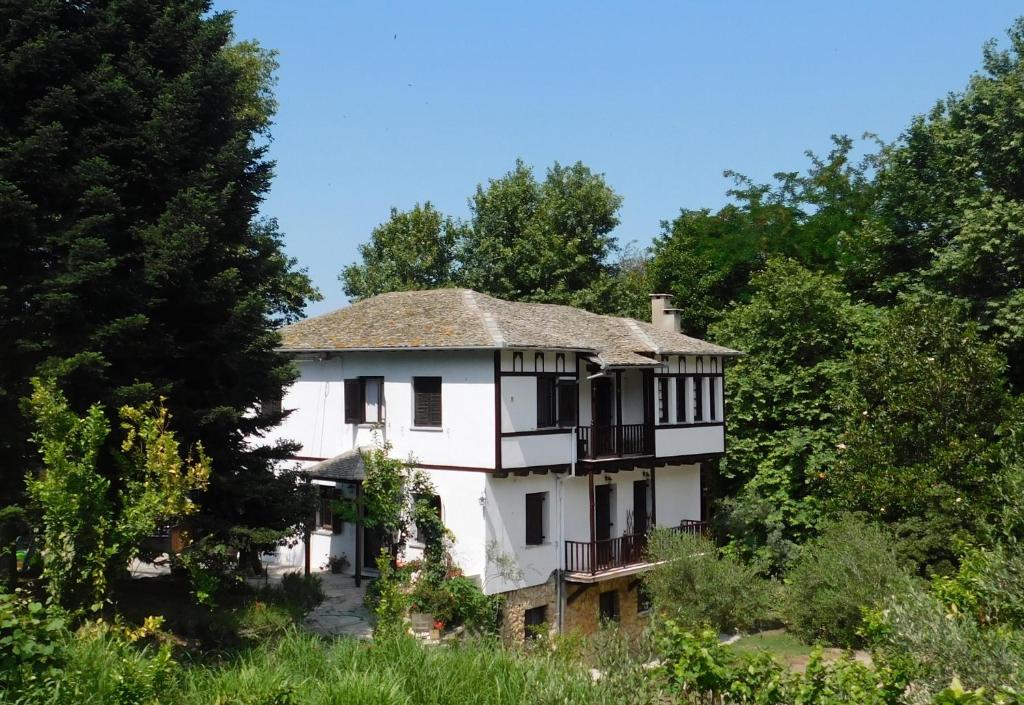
[342,613]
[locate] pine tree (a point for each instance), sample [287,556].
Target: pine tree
[133,261]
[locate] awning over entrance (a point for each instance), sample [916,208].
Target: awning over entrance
[347,466]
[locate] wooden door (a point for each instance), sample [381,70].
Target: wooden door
[601,416]
[603,525]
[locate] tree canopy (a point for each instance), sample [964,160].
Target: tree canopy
[134,264]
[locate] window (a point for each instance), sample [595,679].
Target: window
[680,399]
[271,406]
[662,399]
[546,401]
[712,395]
[364,400]
[698,398]
[435,503]
[517,362]
[567,403]
[538,362]
[325,517]
[643,599]
[534,620]
[535,518]
[426,401]
[608,606]
[556,402]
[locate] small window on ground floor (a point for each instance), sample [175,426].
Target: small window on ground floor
[643,599]
[534,620]
[325,515]
[608,606]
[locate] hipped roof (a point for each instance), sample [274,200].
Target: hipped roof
[460,319]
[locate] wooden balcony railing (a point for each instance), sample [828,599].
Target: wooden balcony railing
[594,557]
[613,441]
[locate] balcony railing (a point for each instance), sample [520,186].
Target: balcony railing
[594,557]
[613,441]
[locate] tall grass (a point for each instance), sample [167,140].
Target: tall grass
[302,668]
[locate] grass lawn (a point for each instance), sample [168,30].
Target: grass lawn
[785,648]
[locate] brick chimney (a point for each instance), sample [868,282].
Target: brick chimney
[663,315]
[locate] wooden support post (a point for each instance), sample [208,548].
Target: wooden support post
[593,525]
[360,517]
[618,412]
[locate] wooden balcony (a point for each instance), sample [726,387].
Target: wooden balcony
[614,441]
[595,557]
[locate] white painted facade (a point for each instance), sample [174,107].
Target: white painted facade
[482,490]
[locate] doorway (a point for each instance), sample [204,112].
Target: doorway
[601,394]
[603,503]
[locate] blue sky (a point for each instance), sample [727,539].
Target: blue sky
[386,104]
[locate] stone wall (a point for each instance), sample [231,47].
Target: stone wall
[513,628]
[581,617]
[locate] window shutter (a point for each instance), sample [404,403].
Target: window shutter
[354,403]
[427,401]
[698,398]
[534,518]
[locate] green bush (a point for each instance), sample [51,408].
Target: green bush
[706,671]
[301,593]
[31,642]
[458,601]
[918,635]
[695,585]
[989,585]
[849,567]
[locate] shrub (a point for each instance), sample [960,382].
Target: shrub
[458,601]
[916,634]
[31,645]
[301,593]
[695,585]
[849,567]
[989,585]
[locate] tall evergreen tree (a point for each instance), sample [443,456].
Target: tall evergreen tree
[133,162]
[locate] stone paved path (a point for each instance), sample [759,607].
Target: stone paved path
[342,613]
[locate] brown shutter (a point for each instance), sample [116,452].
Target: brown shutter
[545,402]
[355,404]
[427,401]
[698,398]
[680,399]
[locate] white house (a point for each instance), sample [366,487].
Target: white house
[556,438]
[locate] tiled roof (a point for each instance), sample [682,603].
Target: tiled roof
[466,319]
[347,466]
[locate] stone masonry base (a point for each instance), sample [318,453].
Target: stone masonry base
[582,616]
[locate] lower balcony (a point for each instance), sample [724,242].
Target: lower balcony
[584,560]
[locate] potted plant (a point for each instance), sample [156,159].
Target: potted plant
[338,564]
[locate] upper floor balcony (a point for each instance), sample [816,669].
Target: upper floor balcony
[586,560]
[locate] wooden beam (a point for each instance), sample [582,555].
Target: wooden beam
[360,516]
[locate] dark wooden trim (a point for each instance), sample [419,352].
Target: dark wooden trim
[613,465]
[360,535]
[618,409]
[654,499]
[698,424]
[688,374]
[305,457]
[497,411]
[566,375]
[547,431]
[686,459]
[593,525]
[532,469]
[464,468]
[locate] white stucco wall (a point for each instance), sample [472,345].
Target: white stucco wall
[466,437]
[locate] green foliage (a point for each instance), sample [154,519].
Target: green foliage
[458,601]
[392,601]
[948,212]
[849,567]
[915,633]
[708,259]
[31,643]
[209,564]
[527,240]
[89,530]
[924,418]
[694,584]
[782,396]
[413,250]
[988,585]
[706,671]
[132,166]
